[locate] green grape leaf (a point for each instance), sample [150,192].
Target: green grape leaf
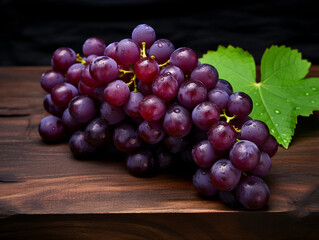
[283,92]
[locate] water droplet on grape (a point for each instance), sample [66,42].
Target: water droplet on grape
[277,111]
[117,85]
[177,110]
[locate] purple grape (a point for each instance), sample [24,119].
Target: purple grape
[176,72]
[97,132]
[245,155]
[151,132]
[224,175]
[63,93]
[205,114]
[152,108]
[219,97]
[191,93]
[203,184]
[62,59]
[229,198]
[51,107]
[146,69]
[103,70]
[222,136]
[161,50]
[240,104]
[50,79]
[131,107]
[127,52]
[255,131]
[94,46]
[177,121]
[82,108]
[165,86]
[51,129]
[87,79]
[79,146]
[140,163]
[263,166]
[117,93]
[86,90]
[204,154]
[110,51]
[207,74]
[224,85]
[252,192]
[111,114]
[144,33]
[239,122]
[71,123]
[74,74]
[145,88]
[126,138]
[175,144]
[184,58]
[270,146]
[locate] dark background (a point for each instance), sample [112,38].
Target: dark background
[32,30]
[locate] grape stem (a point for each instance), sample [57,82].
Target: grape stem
[163,64]
[228,118]
[125,72]
[133,81]
[80,59]
[143,51]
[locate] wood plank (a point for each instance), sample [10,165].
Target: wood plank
[48,185]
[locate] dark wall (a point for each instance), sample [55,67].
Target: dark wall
[32,30]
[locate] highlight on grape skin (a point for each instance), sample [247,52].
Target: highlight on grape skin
[157,105]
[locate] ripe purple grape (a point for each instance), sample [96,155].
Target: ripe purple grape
[224,85]
[51,129]
[219,97]
[191,93]
[161,50]
[62,59]
[165,86]
[146,69]
[270,146]
[222,135]
[203,184]
[151,132]
[255,131]
[176,72]
[240,104]
[103,70]
[111,114]
[74,74]
[224,175]
[82,108]
[205,114]
[184,58]
[144,33]
[152,108]
[126,138]
[117,93]
[140,163]
[131,107]
[263,167]
[204,154]
[50,79]
[127,52]
[97,132]
[79,146]
[245,155]
[94,46]
[63,93]
[207,74]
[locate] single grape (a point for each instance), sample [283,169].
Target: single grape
[70,122]
[146,69]
[111,114]
[252,192]
[145,88]
[224,85]
[270,146]
[144,33]
[255,131]
[161,50]
[152,108]
[222,135]
[87,79]
[97,132]
[89,59]
[184,58]
[204,154]
[126,137]
[240,104]
[263,166]
[79,146]
[176,72]
[177,121]
[94,46]
[131,107]
[50,79]
[219,97]
[140,163]
[86,90]
[165,86]
[207,74]
[51,107]
[191,93]
[110,51]
[224,175]
[245,155]
[63,93]
[62,59]
[82,108]
[203,184]
[151,132]
[74,74]
[51,129]
[205,114]
[103,70]
[127,52]
[117,93]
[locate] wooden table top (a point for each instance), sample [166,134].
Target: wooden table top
[44,190]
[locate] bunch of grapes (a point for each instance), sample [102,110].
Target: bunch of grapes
[164,110]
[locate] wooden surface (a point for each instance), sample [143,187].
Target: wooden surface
[47,194]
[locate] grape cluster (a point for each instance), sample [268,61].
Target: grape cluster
[164,110]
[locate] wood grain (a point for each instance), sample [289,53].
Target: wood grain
[46,193]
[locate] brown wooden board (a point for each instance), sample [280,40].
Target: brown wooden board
[45,193]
